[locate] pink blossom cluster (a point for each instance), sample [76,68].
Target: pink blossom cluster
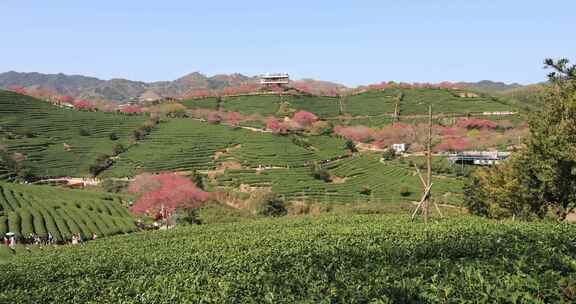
[164,193]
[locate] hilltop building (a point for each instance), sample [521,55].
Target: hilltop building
[274,79]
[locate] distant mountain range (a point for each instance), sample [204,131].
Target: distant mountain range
[120,90]
[123,90]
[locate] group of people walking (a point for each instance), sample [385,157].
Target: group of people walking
[10,240]
[36,239]
[78,238]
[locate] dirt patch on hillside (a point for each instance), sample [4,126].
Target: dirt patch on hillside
[245,188]
[222,168]
[217,155]
[229,149]
[230,165]
[230,200]
[362,147]
[467,95]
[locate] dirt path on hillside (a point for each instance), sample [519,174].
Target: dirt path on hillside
[254,129]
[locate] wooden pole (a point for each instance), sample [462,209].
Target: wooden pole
[427,183]
[438,210]
[342,102]
[395,118]
[421,203]
[421,178]
[426,202]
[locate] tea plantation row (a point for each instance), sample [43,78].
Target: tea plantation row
[186,145]
[358,179]
[27,209]
[57,141]
[370,103]
[332,259]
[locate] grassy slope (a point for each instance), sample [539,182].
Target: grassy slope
[329,259]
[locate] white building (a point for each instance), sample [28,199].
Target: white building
[278,78]
[399,148]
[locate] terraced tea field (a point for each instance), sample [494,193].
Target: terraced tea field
[210,103]
[331,259]
[416,101]
[371,103]
[322,106]
[186,145]
[56,141]
[26,209]
[265,105]
[350,178]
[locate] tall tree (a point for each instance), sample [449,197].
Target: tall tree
[541,177]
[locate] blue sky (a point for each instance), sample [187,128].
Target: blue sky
[352,42]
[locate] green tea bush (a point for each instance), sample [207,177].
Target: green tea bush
[329,259]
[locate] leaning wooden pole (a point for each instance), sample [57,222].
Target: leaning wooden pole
[395,118]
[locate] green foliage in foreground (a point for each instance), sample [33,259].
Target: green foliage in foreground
[354,259]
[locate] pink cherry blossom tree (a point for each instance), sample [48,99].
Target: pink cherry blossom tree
[304,119]
[164,193]
[83,104]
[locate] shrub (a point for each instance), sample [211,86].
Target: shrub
[114,186]
[102,163]
[113,136]
[301,142]
[404,191]
[28,133]
[271,205]
[319,173]
[119,148]
[351,146]
[187,216]
[15,164]
[139,134]
[84,132]
[321,128]
[389,154]
[366,190]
